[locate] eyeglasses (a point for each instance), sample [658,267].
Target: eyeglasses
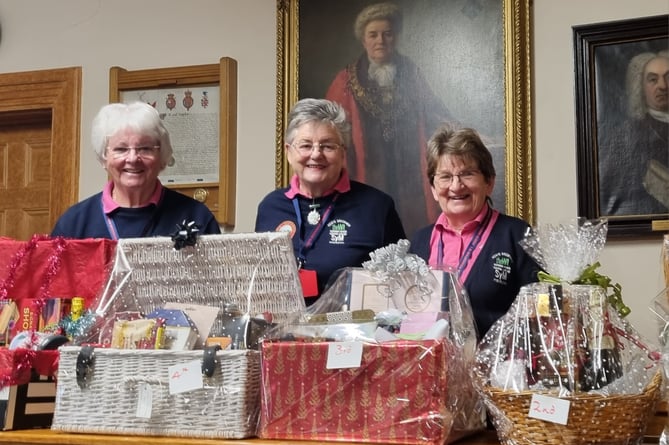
[306,147]
[446,179]
[141,152]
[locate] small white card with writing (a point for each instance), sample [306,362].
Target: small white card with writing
[550,409]
[185,377]
[144,401]
[344,354]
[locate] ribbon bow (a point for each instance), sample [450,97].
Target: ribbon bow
[186,234]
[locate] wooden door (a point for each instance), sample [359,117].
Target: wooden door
[40,114]
[25,177]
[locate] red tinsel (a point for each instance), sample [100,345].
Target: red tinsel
[15,365]
[52,266]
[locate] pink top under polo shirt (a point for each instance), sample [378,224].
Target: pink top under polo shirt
[342,186]
[109,205]
[455,244]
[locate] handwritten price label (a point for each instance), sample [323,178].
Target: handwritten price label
[185,377]
[344,354]
[550,409]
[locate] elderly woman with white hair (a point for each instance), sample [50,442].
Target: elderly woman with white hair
[634,178]
[133,146]
[392,112]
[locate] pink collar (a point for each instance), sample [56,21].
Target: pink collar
[109,205]
[342,186]
[442,222]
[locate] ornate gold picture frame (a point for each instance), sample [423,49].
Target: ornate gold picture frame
[301,33]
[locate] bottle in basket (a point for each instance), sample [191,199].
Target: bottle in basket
[604,355]
[548,330]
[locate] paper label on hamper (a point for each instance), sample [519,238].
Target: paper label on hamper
[550,409]
[344,354]
[144,401]
[185,377]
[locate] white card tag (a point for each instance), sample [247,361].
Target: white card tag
[4,393]
[344,354]
[144,401]
[550,409]
[185,377]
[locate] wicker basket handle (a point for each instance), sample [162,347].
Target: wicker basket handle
[128,380]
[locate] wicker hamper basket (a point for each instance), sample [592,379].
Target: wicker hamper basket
[256,271]
[593,419]
[227,406]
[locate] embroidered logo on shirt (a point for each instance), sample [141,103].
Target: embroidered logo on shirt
[501,267]
[338,231]
[287,227]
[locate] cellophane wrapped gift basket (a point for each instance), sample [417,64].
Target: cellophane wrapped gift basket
[192,370]
[383,356]
[563,366]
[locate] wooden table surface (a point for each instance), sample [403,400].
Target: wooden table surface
[49,437]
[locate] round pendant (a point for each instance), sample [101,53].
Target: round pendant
[313,217]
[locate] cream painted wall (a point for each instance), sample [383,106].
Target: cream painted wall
[96,34]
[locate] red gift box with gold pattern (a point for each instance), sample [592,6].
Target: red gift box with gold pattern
[398,394]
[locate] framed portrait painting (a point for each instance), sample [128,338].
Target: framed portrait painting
[457,61]
[622,124]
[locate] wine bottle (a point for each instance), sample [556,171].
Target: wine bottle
[550,361]
[604,352]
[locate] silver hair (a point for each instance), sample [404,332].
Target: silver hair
[137,116]
[318,110]
[636,99]
[378,11]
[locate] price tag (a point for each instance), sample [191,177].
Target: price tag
[144,401]
[185,377]
[4,393]
[550,409]
[345,354]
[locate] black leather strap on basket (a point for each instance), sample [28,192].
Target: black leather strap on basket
[85,361]
[209,360]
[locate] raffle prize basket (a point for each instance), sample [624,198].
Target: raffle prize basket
[129,391]
[612,407]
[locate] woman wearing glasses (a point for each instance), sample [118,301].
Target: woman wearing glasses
[133,146]
[469,235]
[334,222]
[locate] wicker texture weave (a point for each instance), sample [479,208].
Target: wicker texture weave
[227,407]
[593,419]
[256,271]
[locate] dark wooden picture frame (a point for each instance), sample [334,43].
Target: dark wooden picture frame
[611,171]
[314,42]
[219,195]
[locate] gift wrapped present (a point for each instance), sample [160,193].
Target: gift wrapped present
[411,331]
[398,392]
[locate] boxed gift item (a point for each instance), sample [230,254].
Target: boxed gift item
[396,393]
[38,280]
[563,366]
[349,369]
[148,389]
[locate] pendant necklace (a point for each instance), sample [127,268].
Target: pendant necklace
[314,217]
